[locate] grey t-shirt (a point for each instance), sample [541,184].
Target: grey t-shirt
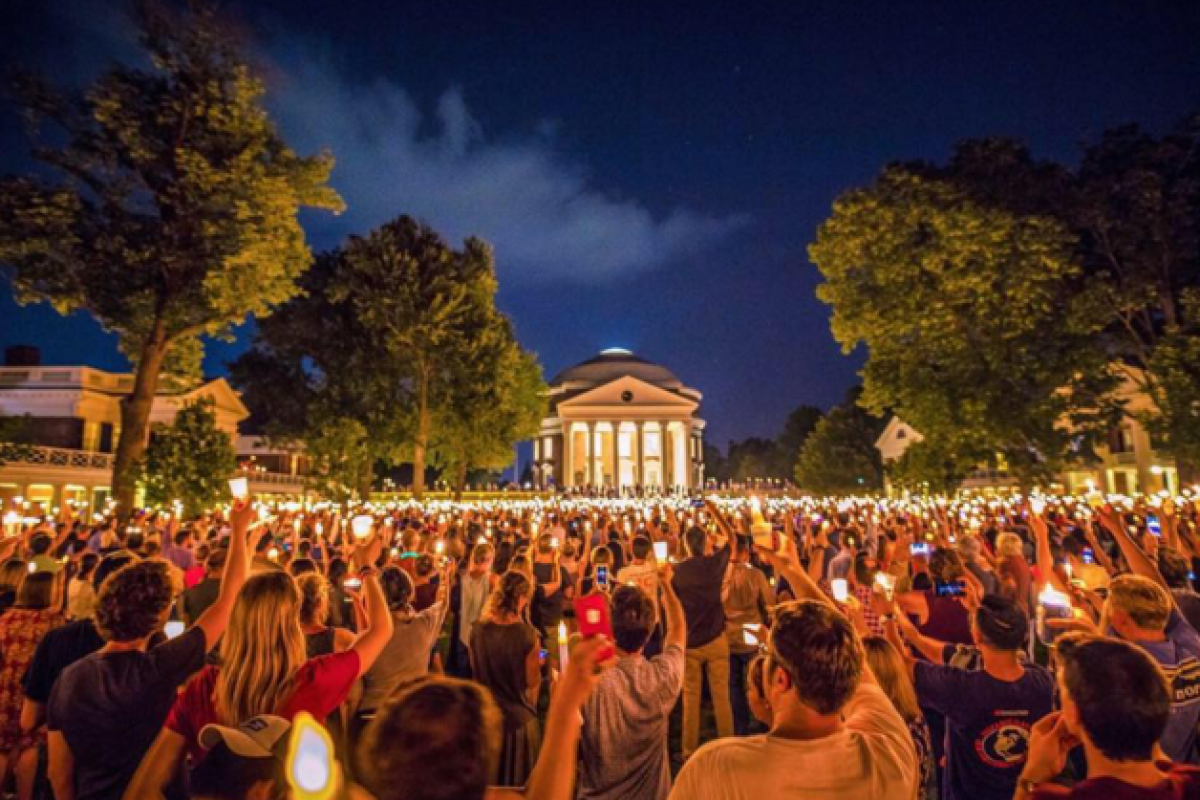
[623,746]
[406,655]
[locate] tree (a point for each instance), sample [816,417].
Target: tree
[716,468]
[189,461]
[751,459]
[171,214]
[1137,212]
[840,456]
[423,301]
[317,375]
[800,424]
[978,325]
[494,400]
[927,468]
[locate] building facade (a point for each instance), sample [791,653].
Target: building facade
[620,422]
[1127,463]
[72,418]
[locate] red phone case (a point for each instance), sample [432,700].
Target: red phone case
[592,614]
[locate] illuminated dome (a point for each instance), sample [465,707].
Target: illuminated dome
[614,363]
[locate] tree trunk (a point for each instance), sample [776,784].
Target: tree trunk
[422,442]
[135,419]
[365,479]
[460,481]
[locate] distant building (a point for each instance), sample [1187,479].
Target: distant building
[621,422]
[73,420]
[1127,463]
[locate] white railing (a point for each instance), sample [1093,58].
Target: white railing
[63,457]
[281,478]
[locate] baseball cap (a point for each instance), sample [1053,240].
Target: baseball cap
[257,737]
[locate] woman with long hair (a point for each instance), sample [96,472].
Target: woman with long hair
[265,669]
[892,675]
[505,658]
[21,628]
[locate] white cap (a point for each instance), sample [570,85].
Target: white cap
[254,738]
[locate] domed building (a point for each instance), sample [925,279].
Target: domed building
[618,421]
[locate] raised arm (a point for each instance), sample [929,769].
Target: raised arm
[1137,559]
[672,609]
[553,776]
[1045,561]
[378,633]
[215,619]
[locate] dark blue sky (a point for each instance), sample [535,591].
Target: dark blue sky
[650,173]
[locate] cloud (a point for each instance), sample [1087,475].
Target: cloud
[547,218]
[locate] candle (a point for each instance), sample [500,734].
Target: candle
[362,525]
[239,488]
[841,589]
[562,645]
[312,771]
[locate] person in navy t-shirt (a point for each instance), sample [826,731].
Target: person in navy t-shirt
[989,712]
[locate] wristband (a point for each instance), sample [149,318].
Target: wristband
[367,572]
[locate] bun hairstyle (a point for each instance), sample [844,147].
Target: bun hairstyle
[314,593]
[397,587]
[514,587]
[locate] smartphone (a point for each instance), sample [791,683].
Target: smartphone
[841,589]
[354,584]
[594,620]
[173,628]
[1153,525]
[1088,556]
[542,655]
[661,551]
[949,588]
[1051,605]
[698,503]
[918,549]
[751,635]
[602,576]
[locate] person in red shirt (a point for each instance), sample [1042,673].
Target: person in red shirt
[265,670]
[1115,704]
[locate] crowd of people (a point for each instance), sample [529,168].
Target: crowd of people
[737,646]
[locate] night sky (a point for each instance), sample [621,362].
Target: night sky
[650,173]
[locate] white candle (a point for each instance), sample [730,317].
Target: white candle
[562,645]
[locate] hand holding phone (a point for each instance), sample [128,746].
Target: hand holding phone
[594,620]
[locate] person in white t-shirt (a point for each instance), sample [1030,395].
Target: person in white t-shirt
[834,734]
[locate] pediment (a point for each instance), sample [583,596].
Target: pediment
[640,395]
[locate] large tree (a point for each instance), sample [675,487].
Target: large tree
[188,461]
[1137,211]
[424,301]
[168,210]
[977,322]
[492,401]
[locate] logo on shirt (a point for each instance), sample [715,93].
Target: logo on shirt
[1185,681]
[1003,744]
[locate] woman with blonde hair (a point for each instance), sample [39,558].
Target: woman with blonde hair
[265,669]
[891,673]
[505,657]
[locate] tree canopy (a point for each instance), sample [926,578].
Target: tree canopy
[840,455]
[170,208]
[978,325]
[189,461]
